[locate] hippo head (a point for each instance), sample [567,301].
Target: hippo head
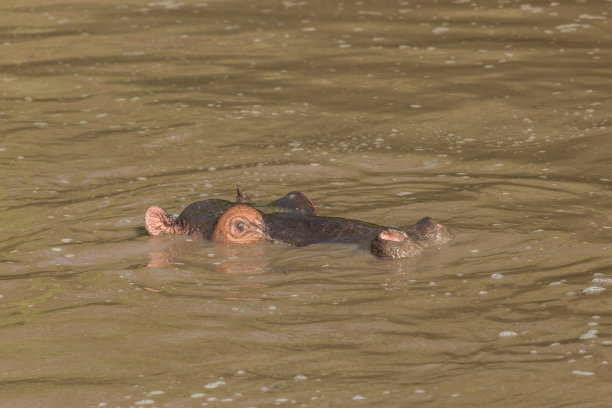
[290,220]
[225,221]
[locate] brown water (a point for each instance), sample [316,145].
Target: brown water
[491,116]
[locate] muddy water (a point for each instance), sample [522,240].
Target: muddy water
[491,116]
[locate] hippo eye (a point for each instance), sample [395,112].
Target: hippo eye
[240,225]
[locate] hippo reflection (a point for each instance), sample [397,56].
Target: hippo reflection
[290,220]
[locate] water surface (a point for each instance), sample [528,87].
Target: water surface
[493,117]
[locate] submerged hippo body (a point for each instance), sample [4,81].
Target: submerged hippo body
[290,220]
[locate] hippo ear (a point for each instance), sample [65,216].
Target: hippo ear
[296,201]
[158,221]
[242,197]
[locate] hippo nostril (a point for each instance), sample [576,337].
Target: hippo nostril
[392,235]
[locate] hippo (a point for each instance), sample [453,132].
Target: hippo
[291,220]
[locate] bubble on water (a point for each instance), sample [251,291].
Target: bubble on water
[497,275]
[440,30]
[508,334]
[157,392]
[145,402]
[359,398]
[568,28]
[197,395]
[593,290]
[580,372]
[281,400]
[369,13]
[293,3]
[590,17]
[300,377]
[213,385]
[591,334]
[532,9]
[56,249]
[133,53]
[168,5]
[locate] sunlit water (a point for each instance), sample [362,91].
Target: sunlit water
[493,117]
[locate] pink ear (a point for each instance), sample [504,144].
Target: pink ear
[157,221]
